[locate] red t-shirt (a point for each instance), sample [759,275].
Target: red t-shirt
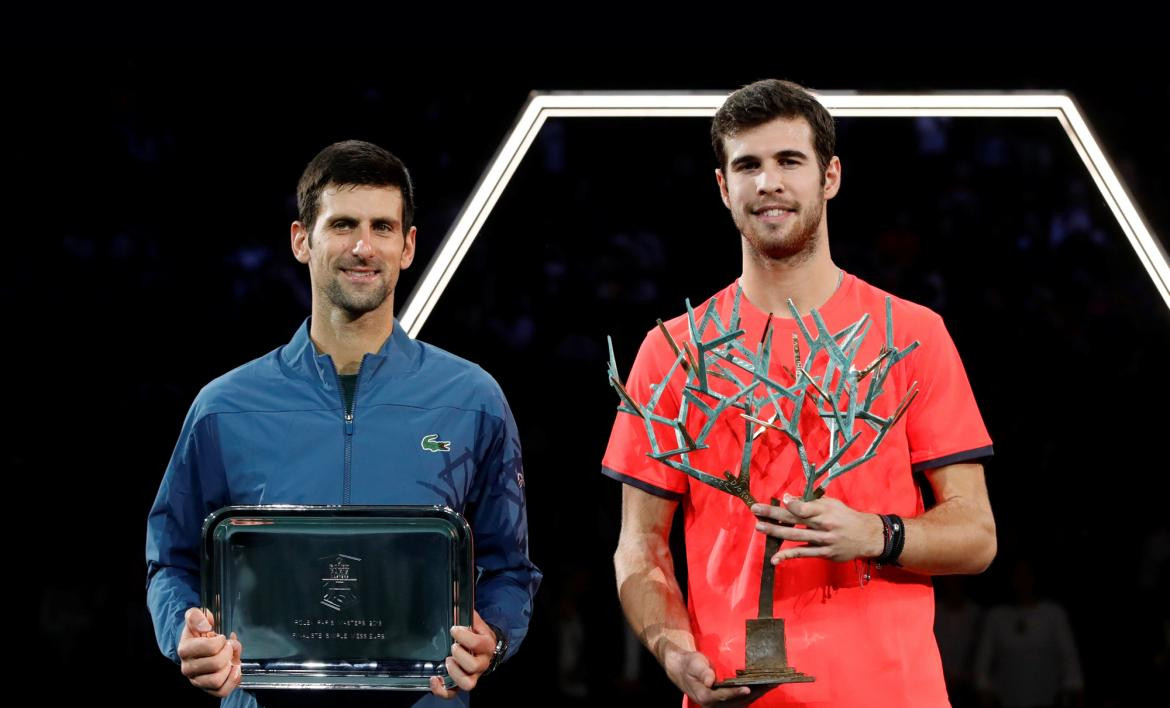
[868,645]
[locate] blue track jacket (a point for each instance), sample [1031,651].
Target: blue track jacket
[274,431]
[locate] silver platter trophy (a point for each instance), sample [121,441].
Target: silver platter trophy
[339,597]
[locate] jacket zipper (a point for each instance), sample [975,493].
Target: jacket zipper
[348,420]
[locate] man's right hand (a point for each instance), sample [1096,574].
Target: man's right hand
[210,661]
[693,674]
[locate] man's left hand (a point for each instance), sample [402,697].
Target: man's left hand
[831,530]
[471,655]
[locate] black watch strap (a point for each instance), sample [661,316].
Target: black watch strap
[501,648]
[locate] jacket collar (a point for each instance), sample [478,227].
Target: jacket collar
[399,354]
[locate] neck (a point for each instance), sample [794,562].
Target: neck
[809,280]
[345,338]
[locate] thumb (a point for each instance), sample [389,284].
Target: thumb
[197,622]
[708,677]
[479,626]
[700,669]
[796,505]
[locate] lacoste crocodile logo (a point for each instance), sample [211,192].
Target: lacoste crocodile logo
[432,443]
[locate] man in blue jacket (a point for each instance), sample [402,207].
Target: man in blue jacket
[350,411]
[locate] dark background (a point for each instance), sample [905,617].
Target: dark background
[179,256]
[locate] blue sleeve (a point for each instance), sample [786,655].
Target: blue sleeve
[192,487]
[499,521]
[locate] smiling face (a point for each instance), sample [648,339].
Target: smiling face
[356,248]
[775,190]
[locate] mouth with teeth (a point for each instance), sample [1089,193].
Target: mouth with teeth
[360,275]
[773,214]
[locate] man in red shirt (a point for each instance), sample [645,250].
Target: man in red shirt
[867,642]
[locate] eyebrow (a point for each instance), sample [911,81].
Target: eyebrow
[376,221]
[781,155]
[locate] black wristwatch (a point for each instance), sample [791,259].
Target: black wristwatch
[501,649]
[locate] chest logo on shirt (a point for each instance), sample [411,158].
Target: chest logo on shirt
[432,443]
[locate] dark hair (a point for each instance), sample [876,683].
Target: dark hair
[763,101]
[351,163]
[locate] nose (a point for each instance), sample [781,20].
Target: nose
[363,249]
[769,180]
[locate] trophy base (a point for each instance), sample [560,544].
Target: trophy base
[765,678]
[767,657]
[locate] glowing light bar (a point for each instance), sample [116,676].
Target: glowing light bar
[542,106]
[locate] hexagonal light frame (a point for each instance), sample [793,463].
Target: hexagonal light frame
[544,105]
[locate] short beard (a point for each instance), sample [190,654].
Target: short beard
[797,248]
[355,305]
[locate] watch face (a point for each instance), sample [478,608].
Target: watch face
[498,654]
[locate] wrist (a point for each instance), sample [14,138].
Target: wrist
[894,533]
[500,650]
[671,656]
[875,537]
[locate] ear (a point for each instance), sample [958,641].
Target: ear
[832,177]
[300,242]
[408,248]
[722,187]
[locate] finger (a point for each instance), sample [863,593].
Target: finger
[210,666]
[214,665]
[440,689]
[213,676]
[234,678]
[213,682]
[778,514]
[789,533]
[752,696]
[474,642]
[718,695]
[470,663]
[802,552]
[201,647]
[461,677]
[237,649]
[196,622]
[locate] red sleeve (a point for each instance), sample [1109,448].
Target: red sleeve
[943,424]
[625,457]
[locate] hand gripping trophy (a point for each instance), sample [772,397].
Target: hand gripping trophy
[834,396]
